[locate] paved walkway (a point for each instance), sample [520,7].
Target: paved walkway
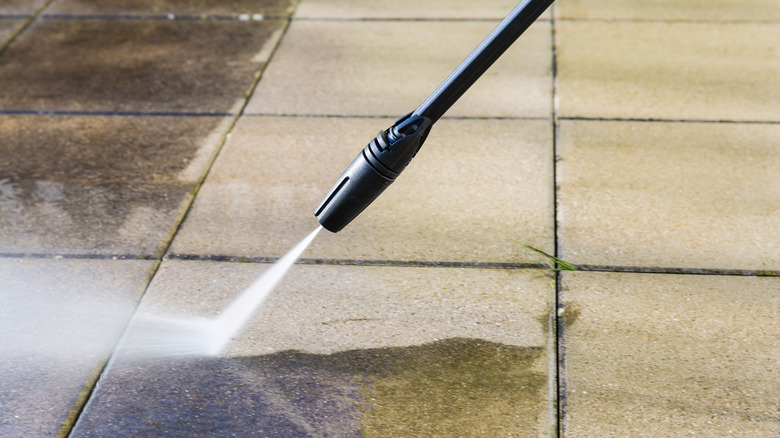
[157,155]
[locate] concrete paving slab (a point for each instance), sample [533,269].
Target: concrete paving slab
[275,8]
[668,70]
[7,28]
[343,351]
[693,10]
[389,9]
[694,195]
[652,355]
[388,68]
[135,65]
[477,190]
[59,319]
[98,185]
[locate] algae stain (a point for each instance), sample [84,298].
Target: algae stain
[456,387]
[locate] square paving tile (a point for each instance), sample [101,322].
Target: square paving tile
[652,355]
[59,320]
[135,65]
[20,7]
[759,10]
[695,195]
[389,9]
[274,8]
[710,71]
[388,68]
[98,185]
[475,192]
[381,351]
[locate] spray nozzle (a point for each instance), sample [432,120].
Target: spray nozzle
[375,168]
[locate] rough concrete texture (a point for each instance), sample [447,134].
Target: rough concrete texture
[387,68]
[343,351]
[695,195]
[689,10]
[395,9]
[668,355]
[260,197]
[273,8]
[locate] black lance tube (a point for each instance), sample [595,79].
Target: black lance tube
[481,58]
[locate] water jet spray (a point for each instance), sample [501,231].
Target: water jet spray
[387,155]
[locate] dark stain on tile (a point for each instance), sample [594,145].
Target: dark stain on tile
[20,6]
[187,7]
[134,65]
[78,184]
[454,387]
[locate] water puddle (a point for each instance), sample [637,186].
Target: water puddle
[164,336]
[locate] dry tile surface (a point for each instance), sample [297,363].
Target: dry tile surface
[98,185]
[185,7]
[405,351]
[693,10]
[7,28]
[668,70]
[689,195]
[669,355]
[395,9]
[135,65]
[387,68]
[59,319]
[474,185]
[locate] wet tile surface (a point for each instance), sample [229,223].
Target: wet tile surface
[669,194]
[59,318]
[185,7]
[461,353]
[443,9]
[98,185]
[729,10]
[468,195]
[388,68]
[710,71]
[666,355]
[20,7]
[135,65]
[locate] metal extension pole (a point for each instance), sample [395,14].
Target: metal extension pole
[488,51]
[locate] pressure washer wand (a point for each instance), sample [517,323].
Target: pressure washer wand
[383,159]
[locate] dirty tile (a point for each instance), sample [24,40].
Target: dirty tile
[135,65]
[388,68]
[443,352]
[710,71]
[652,355]
[98,185]
[59,320]
[7,28]
[273,8]
[759,10]
[696,195]
[475,192]
[389,9]
[20,7]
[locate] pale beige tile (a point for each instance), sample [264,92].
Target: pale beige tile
[697,195]
[759,10]
[668,70]
[388,68]
[475,192]
[59,319]
[389,9]
[651,355]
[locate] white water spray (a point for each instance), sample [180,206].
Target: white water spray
[150,335]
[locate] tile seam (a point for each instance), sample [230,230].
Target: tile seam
[558,385]
[660,120]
